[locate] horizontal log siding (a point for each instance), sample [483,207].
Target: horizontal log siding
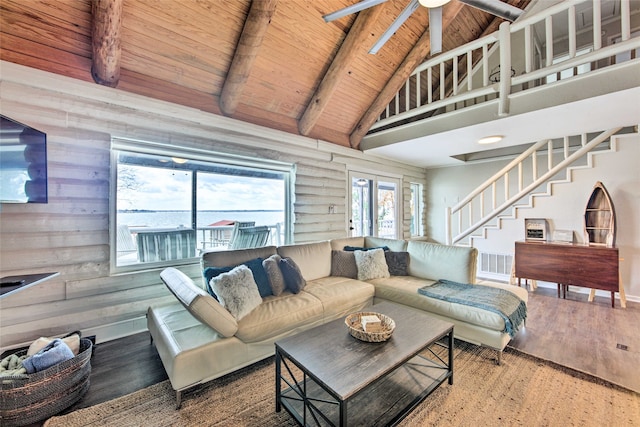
[70,234]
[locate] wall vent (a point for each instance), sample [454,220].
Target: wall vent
[499,264]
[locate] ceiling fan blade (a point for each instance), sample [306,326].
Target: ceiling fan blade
[406,13]
[357,7]
[435,29]
[497,8]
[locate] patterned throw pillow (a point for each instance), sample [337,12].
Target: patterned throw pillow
[292,275]
[371,264]
[272,267]
[343,264]
[398,263]
[237,291]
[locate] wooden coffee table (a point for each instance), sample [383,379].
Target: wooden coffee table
[332,378]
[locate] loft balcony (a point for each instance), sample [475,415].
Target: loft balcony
[517,74]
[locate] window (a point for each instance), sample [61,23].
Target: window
[169,207]
[367,192]
[416,207]
[570,72]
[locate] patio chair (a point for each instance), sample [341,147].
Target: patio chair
[234,233]
[251,237]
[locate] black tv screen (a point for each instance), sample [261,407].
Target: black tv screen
[23,163]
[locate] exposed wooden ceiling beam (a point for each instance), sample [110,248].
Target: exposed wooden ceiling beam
[105,41]
[249,44]
[355,41]
[411,61]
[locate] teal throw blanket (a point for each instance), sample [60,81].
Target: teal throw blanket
[512,309]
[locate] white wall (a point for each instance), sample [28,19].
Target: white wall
[70,234]
[619,171]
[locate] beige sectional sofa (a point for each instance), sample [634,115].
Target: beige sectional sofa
[199,340]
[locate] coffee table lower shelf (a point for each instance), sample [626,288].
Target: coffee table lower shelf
[385,402]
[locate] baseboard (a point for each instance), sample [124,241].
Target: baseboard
[117,330]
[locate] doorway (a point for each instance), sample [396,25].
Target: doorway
[374,205]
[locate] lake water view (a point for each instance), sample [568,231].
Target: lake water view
[174,219]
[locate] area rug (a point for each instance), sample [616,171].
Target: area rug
[523,391]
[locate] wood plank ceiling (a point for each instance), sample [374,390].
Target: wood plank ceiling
[287,70]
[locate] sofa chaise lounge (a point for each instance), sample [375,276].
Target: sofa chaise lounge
[198,339]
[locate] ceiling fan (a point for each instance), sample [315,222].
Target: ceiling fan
[495,7]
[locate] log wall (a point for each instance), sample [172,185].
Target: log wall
[70,234]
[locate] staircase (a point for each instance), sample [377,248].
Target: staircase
[532,174]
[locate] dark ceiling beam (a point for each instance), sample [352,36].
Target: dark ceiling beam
[255,27]
[353,45]
[105,41]
[415,57]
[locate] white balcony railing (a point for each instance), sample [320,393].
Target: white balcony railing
[484,69]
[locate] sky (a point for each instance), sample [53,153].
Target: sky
[168,189]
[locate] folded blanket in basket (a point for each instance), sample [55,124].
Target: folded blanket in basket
[55,352]
[12,365]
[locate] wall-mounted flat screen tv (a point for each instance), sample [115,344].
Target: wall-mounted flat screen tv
[23,163]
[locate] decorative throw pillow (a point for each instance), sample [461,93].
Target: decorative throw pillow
[371,264]
[343,264]
[292,276]
[237,291]
[398,263]
[255,265]
[260,276]
[272,267]
[211,272]
[358,248]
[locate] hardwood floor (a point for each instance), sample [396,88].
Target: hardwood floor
[572,332]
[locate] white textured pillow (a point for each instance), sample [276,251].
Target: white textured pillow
[371,264]
[237,291]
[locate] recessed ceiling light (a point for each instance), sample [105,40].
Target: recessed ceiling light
[490,139]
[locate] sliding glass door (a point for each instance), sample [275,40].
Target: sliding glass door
[374,207]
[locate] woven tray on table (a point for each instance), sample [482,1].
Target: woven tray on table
[27,399]
[357,331]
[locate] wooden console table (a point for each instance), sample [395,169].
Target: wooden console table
[595,267]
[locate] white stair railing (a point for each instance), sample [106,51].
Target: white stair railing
[475,211]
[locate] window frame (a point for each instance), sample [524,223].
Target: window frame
[119,144]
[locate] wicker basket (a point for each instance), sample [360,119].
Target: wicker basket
[355,327]
[27,399]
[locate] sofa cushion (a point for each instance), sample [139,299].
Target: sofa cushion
[235,257]
[339,244]
[278,315]
[396,245]
[404,290]
[434,261]
[343,264]
[276,280]
[237,291]
[198,303]
[313,259]
[362,248]
[291,273]
[398,263]
[371,264]
[340,295]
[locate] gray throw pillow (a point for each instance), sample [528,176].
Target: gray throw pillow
[237,291]
[292,275]
[398,263]
[272,267]
[343,264]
